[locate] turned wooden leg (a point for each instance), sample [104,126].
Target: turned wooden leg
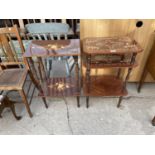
[142,80]
[22,94]
[124,86]
[87,101]
[127,77]
[119,69]
[153,121]
[78,101]
[44,100]
[119,73]
[12,107]
[119,101]
[88,79]
[38,87]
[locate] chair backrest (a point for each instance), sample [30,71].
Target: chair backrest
[47,31]
[8,53]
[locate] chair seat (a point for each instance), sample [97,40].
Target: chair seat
[12,79]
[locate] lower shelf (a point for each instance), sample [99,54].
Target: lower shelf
[103,86]
[60,86]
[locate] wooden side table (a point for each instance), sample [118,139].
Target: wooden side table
[109,52]
[55,86]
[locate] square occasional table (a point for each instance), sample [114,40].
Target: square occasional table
[55,86]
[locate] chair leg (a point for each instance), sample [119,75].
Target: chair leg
[44,100]
[119,101]
[153,121]
[87,101]
[12,107]
[71,68]
[67,68]
[23,96]
[10,104]
[78,101]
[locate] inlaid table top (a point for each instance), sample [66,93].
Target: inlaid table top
[47,48]
[110,45]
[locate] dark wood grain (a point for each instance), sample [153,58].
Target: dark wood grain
[52,87]
[104,86]
[47,48]
[110,45]
[109,52]
[11,78]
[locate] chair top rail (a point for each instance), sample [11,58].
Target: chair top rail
[55,28]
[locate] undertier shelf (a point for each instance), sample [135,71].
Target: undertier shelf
[111,65]
[106,85]
[60,86]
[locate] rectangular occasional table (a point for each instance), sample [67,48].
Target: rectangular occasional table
[108,52]
[55,86]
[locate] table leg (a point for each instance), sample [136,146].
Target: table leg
[36,82]
[119,101]
[88,79]
[42,69]
[77,76]
[40,73]
[87,101]
[127,77]
[119,70]
[142,80]
[23,96]
[33,67]
[78,101]
[38,86]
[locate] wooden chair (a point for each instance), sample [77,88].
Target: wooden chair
[13,68]
[51,31]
